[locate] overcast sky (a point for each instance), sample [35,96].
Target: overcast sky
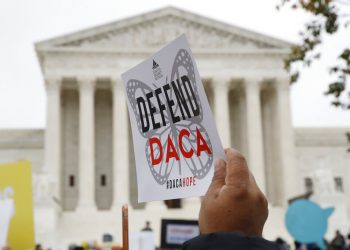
[23,22]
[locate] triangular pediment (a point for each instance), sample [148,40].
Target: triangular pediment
[155,29]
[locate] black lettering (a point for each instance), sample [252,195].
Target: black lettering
[171,103]
[152,110]
[181,100]
[196,108]
[144,124]
[161,106]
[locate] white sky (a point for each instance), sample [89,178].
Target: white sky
[23,22]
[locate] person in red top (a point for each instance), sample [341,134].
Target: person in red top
[233,211]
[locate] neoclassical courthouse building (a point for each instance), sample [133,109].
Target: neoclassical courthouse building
[83,162]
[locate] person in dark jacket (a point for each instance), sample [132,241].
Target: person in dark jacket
[282,244]
[338,243]
[233,211]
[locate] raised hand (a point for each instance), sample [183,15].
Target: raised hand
[233,202]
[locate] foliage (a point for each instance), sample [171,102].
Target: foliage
[328,18]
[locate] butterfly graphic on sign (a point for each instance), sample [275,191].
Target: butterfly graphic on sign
[178,127]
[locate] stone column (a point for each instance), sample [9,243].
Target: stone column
[285,141]
[220,87]
[53,154]
[121,142]
[256,159]
[53,136]
[86,144]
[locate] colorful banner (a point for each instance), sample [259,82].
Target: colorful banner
[16,206]
[174,133]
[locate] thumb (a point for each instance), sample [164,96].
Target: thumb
[237,168]
[219,175]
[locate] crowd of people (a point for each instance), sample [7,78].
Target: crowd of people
[36,247]
[339,242]
[83,246]
[233,214]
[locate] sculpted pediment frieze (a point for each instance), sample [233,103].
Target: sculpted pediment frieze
[155,29]
[158,32]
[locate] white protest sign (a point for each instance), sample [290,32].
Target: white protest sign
[174,133]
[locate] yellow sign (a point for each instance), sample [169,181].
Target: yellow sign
[16,206]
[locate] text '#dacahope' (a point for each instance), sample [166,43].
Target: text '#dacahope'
[181,182]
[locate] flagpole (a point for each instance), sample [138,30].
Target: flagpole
[125,223]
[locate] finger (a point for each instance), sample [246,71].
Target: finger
[219,176]
[237,168]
